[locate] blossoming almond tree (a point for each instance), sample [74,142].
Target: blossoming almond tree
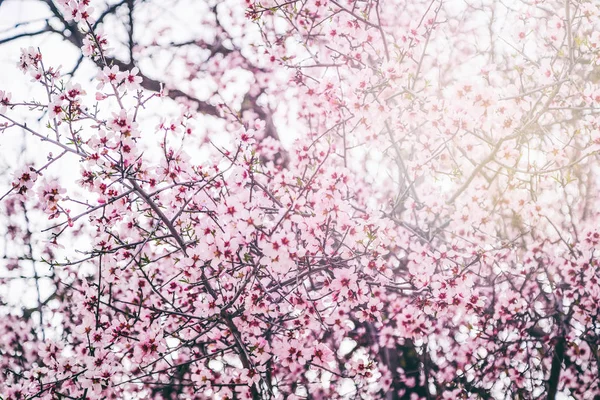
[305,199]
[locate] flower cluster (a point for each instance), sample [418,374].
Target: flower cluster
[24,179]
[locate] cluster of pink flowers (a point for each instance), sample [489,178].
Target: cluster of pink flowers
[49,192]
[78,10]
[30,61]
[4,101]
[24,179]
[126,79]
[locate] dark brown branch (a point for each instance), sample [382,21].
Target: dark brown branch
[557,361]
[160,214]
[27,34]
